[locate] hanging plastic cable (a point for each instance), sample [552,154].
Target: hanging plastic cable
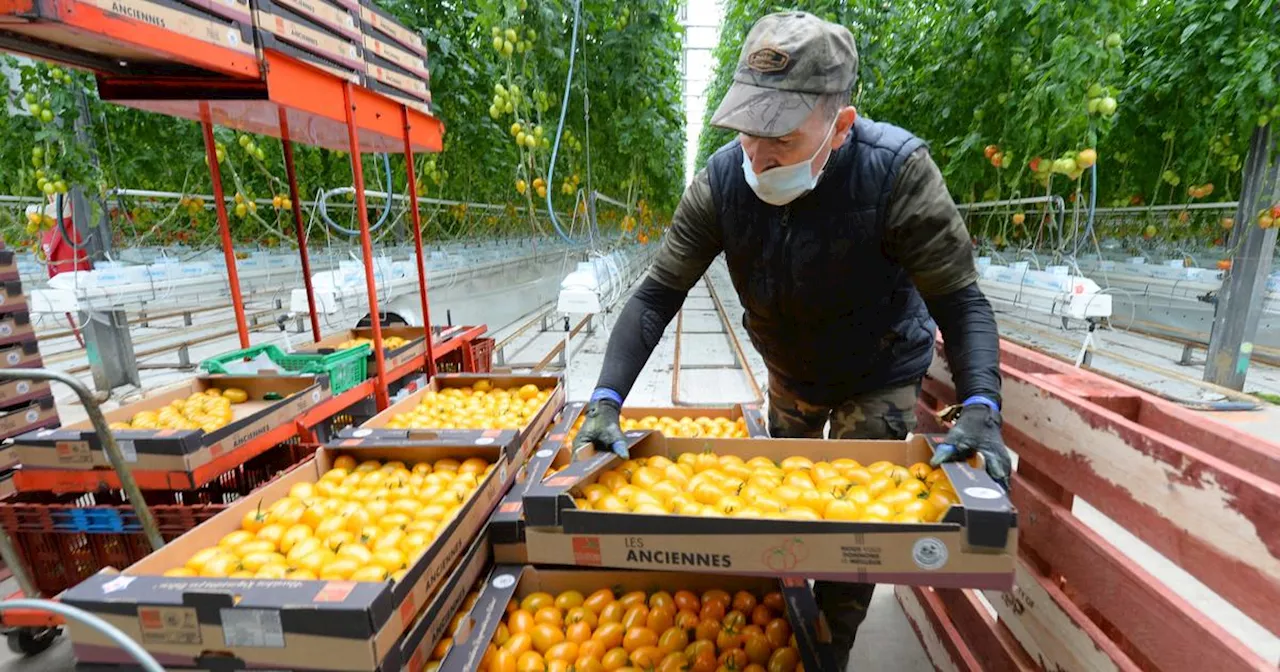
[564,110]
[323,203]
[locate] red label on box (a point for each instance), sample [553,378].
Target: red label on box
[150,618]
[793,582]
[560,481]
[407,611]
[491,433]
[586,551]
[511,507]
[335,591]
[416,662]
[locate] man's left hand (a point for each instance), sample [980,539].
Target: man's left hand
[977,431]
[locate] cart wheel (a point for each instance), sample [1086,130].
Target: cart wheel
[31,641]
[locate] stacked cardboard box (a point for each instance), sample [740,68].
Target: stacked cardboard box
[395,59]
[318,32]
[25,405]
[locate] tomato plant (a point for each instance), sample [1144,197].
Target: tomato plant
[627,63]
[1019,99]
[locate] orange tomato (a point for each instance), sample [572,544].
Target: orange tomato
[578,632]
[636,616]
[613,613]
[676,661]
[784,659]
[520,621]
[778,632]
[568,600]
[673,639]
[503,661]
[550,616]
[941,501]
[531,661]
[920,470]
[566,651]
[660,618]
[639,637]
[597,601]
[591,649]
[615,659]
[519,643]
[588,664]
[581,615]
[647,657]
[535,601]
[545,636]
[609,634]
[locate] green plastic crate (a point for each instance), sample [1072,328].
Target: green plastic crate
[345,368]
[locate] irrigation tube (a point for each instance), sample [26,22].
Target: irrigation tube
[386,210]
[87,619]
[564,110]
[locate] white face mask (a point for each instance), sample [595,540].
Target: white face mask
[781,185]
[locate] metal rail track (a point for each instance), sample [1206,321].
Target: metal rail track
[739,357]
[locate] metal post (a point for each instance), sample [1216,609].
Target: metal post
[224,225]
[366,247]
[1239,307]
[108,440]
[299,230]
[417,240]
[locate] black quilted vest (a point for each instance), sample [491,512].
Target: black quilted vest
[830,313]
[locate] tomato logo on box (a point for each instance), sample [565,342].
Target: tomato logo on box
[586,551]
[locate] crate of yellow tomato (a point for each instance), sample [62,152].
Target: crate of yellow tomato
[866,511]
[454,406]
[556,452]
[739,421]
[326,568]
[400,345]
[180,428]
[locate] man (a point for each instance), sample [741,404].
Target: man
[844,246]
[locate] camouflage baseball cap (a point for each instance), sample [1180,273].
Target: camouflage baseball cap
[788,61]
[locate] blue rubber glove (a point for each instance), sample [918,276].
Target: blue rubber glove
[977,430]
[601,428]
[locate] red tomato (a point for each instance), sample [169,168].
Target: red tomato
[743,601]
[761,615]
[778,632]
[687,600]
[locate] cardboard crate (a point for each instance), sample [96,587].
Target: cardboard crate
[16,328]
[8,265]
[215,22]
[374,432]
[11,297]
[38,414]
[384,71]
[234,10]
[421,105]
[335,18]
[414,649]
[21,355]
[972,547]
[506,527]
[508,582]
[395,357]
[222,624]
[381,21]
[78,446]
[277,24]
[414,64]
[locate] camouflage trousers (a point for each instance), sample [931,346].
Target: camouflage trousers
[882,414]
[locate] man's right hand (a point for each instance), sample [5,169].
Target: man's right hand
[601,429]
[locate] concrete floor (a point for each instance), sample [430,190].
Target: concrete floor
[886,641]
